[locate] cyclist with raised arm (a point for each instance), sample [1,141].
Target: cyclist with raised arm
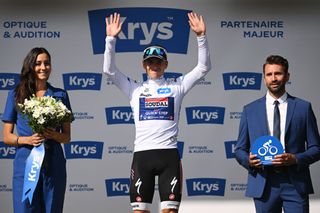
[156,104]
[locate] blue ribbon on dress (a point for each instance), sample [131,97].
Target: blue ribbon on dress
[32,172]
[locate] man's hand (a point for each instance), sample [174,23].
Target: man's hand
[285,159]
[254,162]
[197,24]
[113,25]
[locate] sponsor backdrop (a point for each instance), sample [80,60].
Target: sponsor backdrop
[241,35]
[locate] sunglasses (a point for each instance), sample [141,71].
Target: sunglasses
[155,51]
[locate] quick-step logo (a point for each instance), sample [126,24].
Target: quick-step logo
[205,115]
[83,149]
[8,81]
[242,80]
[206,186]
[141,27]
[82,81]
[119,115]
[117,187]
[6,151]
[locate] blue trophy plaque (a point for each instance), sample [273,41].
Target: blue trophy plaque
[266,147]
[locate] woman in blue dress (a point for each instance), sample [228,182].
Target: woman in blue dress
[49,193]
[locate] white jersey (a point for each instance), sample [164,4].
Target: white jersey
[156,103]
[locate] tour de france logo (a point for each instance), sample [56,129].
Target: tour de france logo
[266,147]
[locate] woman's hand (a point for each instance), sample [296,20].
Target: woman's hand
[35,139]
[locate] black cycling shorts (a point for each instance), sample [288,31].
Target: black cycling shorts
[146,165]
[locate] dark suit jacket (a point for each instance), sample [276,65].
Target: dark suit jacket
[301,139]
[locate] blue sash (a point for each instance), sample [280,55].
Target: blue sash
[32,172]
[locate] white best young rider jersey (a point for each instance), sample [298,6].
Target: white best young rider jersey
[156,103]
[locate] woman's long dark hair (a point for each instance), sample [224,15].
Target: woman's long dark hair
[27,85]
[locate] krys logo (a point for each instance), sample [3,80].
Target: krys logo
[82,81]
[84,149]
[142,27]
[180,145]
[205,115]
[230,148]
[119,115]
[117,187]
[7,152]
[206,186]
[242,80]
[8,81]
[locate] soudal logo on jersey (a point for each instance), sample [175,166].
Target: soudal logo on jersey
[8,81]
[206,186]
[230,148]
[169,76]
[205,115]
[142,27]
[156,102]
[83,149]
[156,108]
[117,187]
[119,115]
[242,80]
[82,81]
[7,152]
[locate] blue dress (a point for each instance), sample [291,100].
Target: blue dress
[49,194]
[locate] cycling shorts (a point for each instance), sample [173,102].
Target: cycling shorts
[146,165]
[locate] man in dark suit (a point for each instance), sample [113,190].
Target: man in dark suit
[287,182]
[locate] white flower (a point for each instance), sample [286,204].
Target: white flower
[44,112]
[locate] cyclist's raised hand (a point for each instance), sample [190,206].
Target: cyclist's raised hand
[197,23]
[113,25]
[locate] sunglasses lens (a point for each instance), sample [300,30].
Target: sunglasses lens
[155,51]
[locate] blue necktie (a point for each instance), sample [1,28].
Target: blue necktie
[276,120]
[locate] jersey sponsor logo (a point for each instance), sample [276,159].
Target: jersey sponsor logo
[119,115]
[230,147]
[161,91]
[83,149]
[156,102]
[156,108]
[117,187]
[8,81]
[82,81]
[205,115]
[169,76]
[206,186]
[141,27]
[242,80]
[145,95]
[6,151]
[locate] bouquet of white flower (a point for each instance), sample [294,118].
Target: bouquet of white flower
[44,112]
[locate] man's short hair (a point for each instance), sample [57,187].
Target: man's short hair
[279,60]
